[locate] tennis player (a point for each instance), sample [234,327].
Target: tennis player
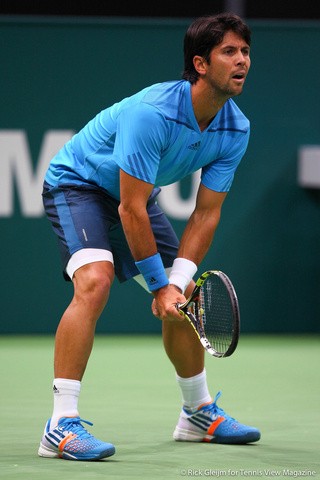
[100,195]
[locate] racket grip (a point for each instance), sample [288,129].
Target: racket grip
[178,305]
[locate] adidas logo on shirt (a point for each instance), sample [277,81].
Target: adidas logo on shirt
[194,146]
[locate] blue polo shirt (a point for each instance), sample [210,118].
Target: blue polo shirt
[154,136]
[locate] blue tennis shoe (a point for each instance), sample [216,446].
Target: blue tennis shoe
[211,424]
[71,441]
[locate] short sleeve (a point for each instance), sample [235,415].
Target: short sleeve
[141,136]
[218,175]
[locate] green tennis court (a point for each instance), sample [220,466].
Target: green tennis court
[130,394]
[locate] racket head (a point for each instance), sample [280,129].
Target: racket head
[213,311]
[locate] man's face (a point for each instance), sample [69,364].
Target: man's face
[229,65]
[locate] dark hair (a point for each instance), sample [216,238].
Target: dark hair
[204,34]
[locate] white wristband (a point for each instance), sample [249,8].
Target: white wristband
[182,273]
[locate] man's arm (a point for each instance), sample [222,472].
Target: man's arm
[195,241]
[134,194]
[199,231]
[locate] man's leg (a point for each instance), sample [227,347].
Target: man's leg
[187,356]
[183,348]
[182,345]
[64,435]
[75,334]
[200,420]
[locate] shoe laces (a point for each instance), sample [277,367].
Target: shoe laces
[214,409]
[77,428]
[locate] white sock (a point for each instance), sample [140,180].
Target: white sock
[65,399]
[194,391]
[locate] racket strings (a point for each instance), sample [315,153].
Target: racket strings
[215,313]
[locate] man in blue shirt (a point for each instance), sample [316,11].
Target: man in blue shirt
[99,195]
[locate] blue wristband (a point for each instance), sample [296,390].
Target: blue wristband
[153,272]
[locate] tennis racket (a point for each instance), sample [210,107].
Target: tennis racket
[213,311]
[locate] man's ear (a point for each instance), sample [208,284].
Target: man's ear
[200,64]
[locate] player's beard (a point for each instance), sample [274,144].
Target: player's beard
[224,91]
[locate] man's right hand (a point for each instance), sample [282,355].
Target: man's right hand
[165,301]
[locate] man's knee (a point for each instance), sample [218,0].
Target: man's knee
[94,280]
